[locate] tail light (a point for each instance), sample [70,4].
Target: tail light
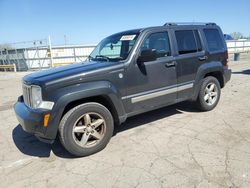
[227,60]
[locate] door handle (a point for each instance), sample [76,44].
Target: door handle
[171,64]
[203,58]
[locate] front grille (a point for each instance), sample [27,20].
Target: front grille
[27,95]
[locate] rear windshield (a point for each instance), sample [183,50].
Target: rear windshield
[214,40]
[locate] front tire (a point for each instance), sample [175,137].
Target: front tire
[209,94]
[86,129]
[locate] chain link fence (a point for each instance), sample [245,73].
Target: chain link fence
[39,54]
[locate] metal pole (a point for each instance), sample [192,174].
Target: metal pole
[50,49]
[14,67]
[17,58]
[1,60]
[7,56]
[243,46]
[26,60]
[38,55]
[74,53]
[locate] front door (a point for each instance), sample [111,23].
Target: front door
[151,84]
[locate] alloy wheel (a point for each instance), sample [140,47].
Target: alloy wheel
[211,93]
[89,130]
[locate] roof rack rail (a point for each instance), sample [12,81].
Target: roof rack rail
[187,23]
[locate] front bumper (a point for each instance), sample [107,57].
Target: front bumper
[31,120]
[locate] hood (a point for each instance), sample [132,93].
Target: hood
[68,72]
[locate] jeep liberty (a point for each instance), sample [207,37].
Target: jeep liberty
[128,73]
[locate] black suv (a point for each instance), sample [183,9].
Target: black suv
[128,73]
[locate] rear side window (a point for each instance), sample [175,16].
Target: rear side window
[214,40]
[188,41]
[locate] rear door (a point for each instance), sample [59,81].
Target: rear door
[190,55]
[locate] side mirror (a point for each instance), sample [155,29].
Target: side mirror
[147,55]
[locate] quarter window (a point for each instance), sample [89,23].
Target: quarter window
[158,42]
[214,40]
[188,41]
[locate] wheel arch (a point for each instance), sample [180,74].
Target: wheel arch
[102,92]
[214,69]
[101,99]
[218,75]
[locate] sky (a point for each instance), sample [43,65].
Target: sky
[87,22]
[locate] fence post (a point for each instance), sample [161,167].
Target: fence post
[38,55]
[50,50]
[235,46]
[74,50]
[7,56]
[243,46]
[14,67]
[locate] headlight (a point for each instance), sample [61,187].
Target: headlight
[37,101]
[36,96]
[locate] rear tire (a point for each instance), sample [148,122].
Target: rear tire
[209,94]
[86,129]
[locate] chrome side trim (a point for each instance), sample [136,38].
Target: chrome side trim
[153,95]
[184,87]
[159,92]
[148,92]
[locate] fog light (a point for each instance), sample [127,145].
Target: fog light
[46,120]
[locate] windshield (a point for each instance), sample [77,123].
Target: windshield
[114,48]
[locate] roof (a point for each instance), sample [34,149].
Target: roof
[170,24]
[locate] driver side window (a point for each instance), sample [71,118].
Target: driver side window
[158,42]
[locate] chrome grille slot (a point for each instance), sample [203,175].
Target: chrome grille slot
[27,95]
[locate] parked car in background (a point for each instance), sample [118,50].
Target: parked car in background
[228,37]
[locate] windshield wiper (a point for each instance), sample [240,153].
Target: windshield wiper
[102,57]
[90,58]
